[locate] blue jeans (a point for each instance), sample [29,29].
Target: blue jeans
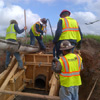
[39,39]
[16,54]
[41,44]
[32,38]
[69,93]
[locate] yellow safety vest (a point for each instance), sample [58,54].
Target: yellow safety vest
[70,29]
[11,32]
[33,28]
[70,73]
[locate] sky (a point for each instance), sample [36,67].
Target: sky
[84,11]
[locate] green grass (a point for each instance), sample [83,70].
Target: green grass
[96,37]
[47,38]
[2,37]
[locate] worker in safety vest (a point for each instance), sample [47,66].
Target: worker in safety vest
[37,31]
[68,67]
[11,35]
[67,29]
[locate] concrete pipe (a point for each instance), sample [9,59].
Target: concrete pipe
[40,81]
[6,45]
[28,49]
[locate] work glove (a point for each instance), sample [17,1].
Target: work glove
[56,65]
[55,59]
[54,62]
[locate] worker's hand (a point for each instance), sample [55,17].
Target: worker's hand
[45,31]
[25,27]
[41,36]
[77,51]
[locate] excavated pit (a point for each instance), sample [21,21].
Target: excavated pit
[90,53]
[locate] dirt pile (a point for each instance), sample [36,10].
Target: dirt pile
[90,53]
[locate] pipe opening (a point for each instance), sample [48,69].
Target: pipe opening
[40,81]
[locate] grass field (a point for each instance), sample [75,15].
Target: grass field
[96,37]
[49,38]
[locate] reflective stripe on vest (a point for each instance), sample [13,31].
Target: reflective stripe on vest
[70,29]
[66,73]
[34,29]
[67,28]
[11,32]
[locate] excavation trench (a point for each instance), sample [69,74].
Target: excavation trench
[90,53]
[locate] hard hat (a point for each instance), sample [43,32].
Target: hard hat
[65,11]
[65,45]
[44,20]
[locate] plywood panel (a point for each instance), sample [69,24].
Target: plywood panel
[29,72]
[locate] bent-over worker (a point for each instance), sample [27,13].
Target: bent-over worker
[37,31]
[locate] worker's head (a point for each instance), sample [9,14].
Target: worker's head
[13,22]
[66,46]
[43,20]
[65,13]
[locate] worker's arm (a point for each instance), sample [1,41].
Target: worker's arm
[58,31]
[39,30]
[56,66]
[80,42]
[17,29]
[82,66]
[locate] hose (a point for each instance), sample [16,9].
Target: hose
[50,28]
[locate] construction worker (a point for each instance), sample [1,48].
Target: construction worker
[11,35]
[67,29]
[37,31]
[68,67]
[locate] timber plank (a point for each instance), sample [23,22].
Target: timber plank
[9,76]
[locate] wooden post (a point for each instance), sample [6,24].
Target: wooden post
[30,95]
[54,83]
[92,89]
[25,24]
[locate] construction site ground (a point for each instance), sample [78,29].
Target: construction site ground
[90,52]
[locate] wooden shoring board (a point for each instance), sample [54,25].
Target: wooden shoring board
[4,85]
[54,86]
[33,80]
[20,89]
[47,79]
[17,75]
[38,64]
[30,95]
[38,58]
[18,85]
[4,74]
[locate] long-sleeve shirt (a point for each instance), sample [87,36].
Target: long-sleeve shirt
[19,31]
[59,31]
[38,29]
